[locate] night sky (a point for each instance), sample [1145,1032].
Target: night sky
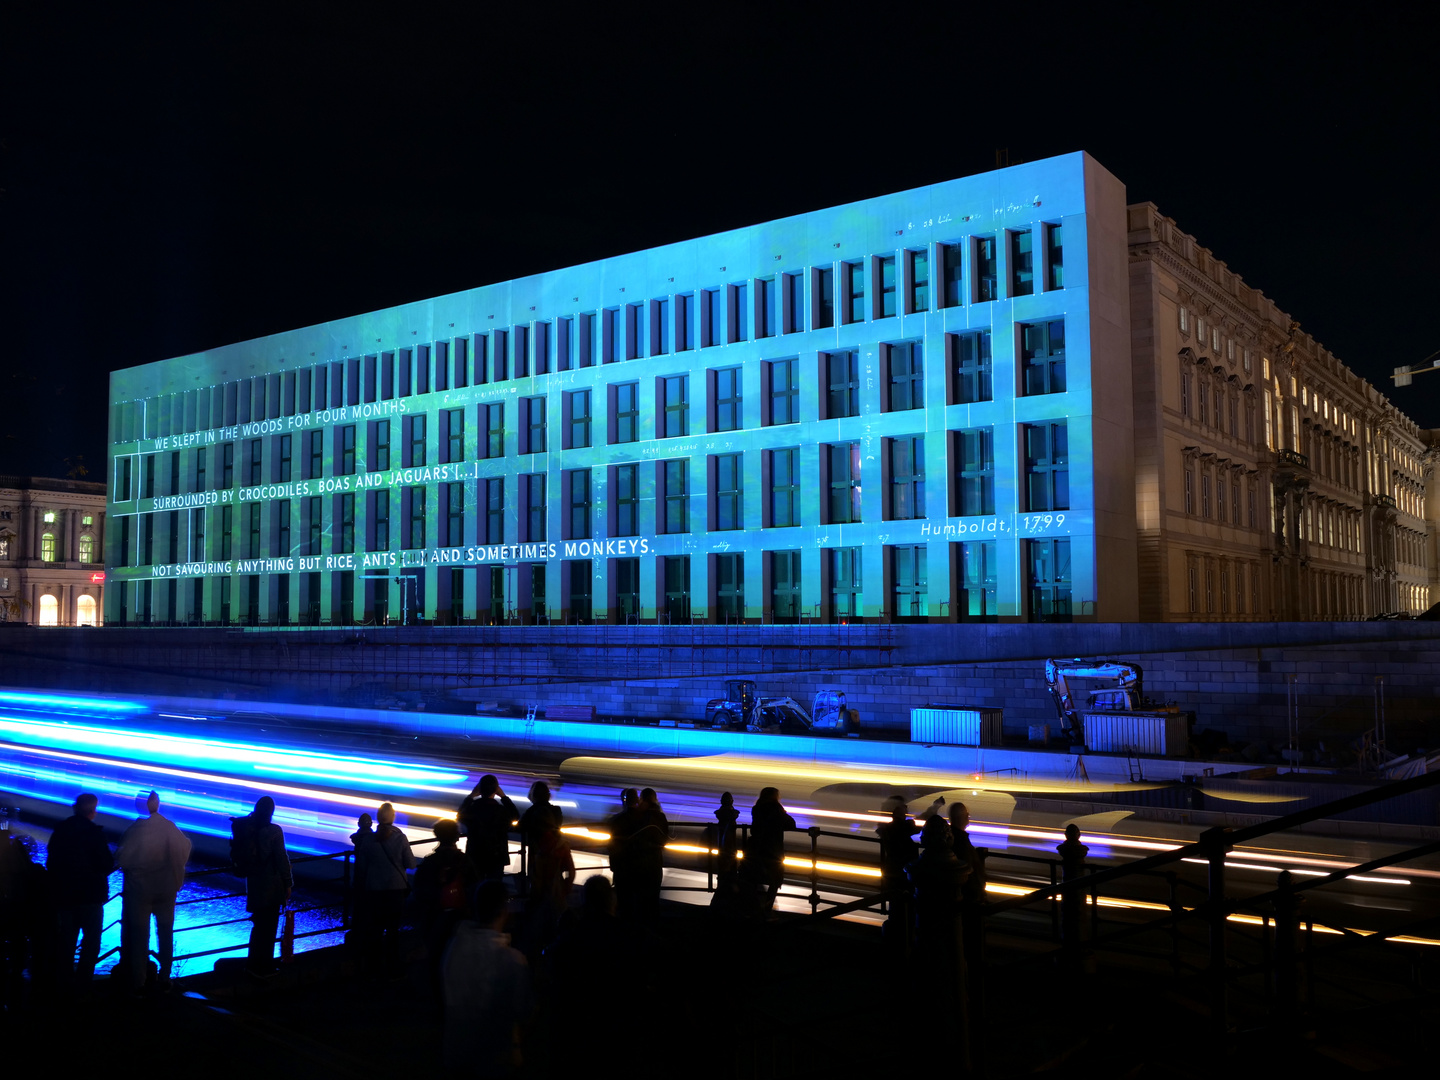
[186,178]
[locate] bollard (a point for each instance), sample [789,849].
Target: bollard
[1287,931]
[346,914]
[814,832]
[1072,903]
[1215,842]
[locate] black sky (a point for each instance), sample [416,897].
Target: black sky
[180,178]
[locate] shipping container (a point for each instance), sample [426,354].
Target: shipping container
[956,725]
[1164,735]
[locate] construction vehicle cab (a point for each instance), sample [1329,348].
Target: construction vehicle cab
[1125,696]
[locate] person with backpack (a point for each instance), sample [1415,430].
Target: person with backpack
[443,884]
[153,853]
[257,850]
[79,862]
[381,886]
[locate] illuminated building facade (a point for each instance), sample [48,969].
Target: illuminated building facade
[1271,481]
[914,407]
[52,539]
[886,410]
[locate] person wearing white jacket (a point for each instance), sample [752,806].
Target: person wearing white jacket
[153,853]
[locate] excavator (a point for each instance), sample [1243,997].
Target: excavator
[1126,697]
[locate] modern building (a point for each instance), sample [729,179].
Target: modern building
[52,536]
[915,407]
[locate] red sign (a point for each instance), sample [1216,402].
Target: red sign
[97,577]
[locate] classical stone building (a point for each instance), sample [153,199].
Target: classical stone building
[1272,483]
[52,543]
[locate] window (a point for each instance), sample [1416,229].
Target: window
[579,504]
[1055,256]
[1042,357]
[784,488]
[47,546]
[919,280]
[676,389]
[580,574]
[1202,399]
[977,581]
[739,312]
[312,525]
[634,331]
[972,367]
[227,468]
[730,587]
[975,476]
[794,299]
[908,569]
[199,476]
[842,376]
[415,523]
[677,588]
[253,530]
[5,548]
[684,322]
[768,315]
[534,413]
[86,548]
[907,376]
[784,391]
[1047,466]
[844,483]
[627,412]
[227,532]
[283,469]
[712,317]
[950,271]
[846,592]
[255,475]
[1189,489]
[729,498]
[677,517]
[1185,390]
[85,609]
[886,268]
[907,478]
[454,515]
[50,610]
[345,540]
[824,298]
[454,435]
[380,504]
[1220,497]
[854,292]
[494,494]
[627,500]
[1049,565]
[532,487]
[1022,264]
[494,429]
[1204,493]
[984,269]
[728,416]
[659,326]
[579,419]
[588,340]
[347,449]
[609,335]
[627,589]
[785,586]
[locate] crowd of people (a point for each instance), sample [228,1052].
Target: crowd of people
[484,929]
[52,914]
